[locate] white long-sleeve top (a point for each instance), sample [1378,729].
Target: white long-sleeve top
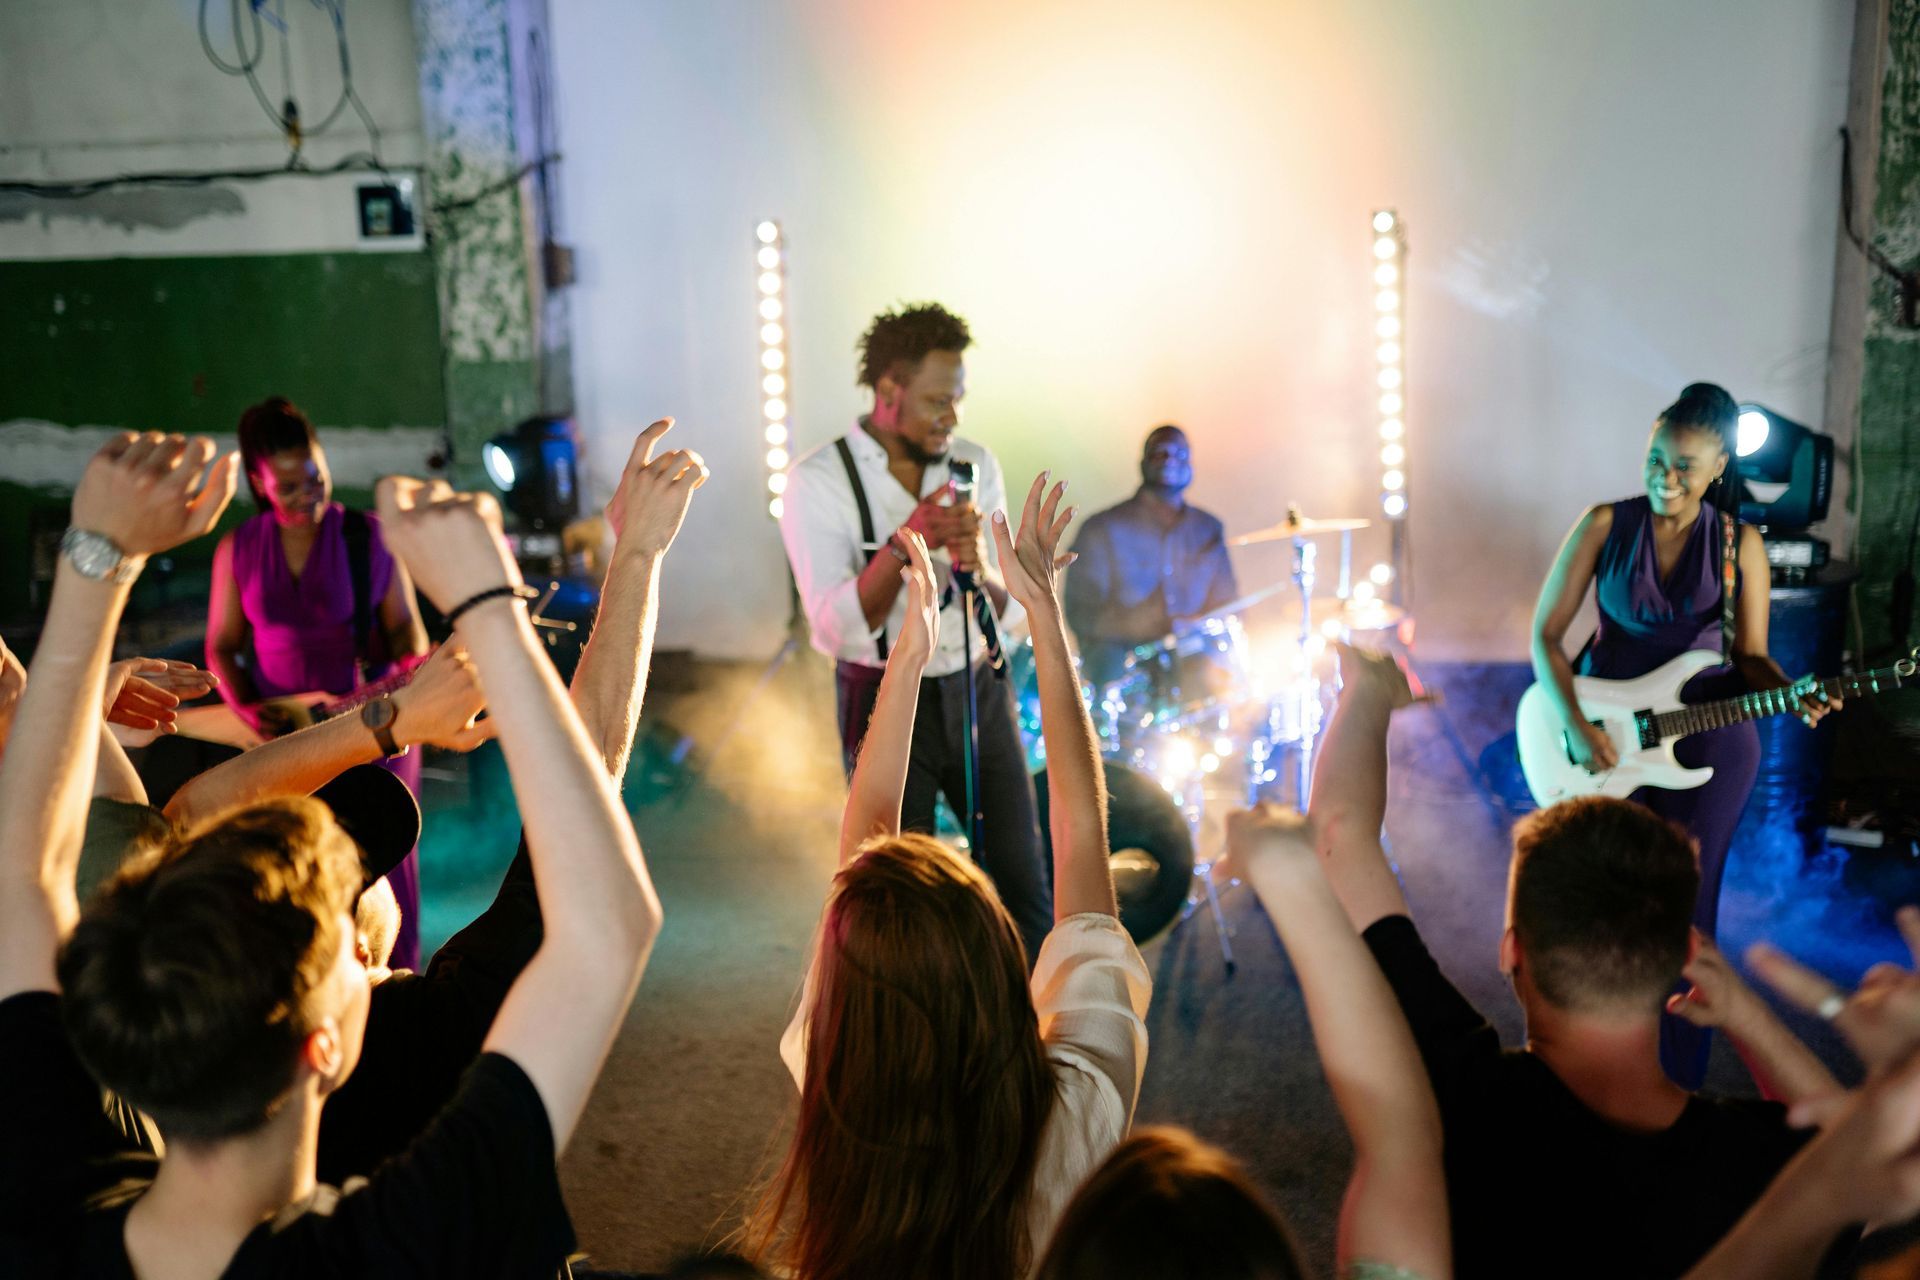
[820,524]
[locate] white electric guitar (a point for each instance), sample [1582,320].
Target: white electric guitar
[1645,717]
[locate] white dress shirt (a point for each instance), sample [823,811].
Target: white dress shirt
[820,523]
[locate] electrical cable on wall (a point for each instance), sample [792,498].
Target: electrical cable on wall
[288,117]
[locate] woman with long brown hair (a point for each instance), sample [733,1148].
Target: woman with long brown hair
[950,1105]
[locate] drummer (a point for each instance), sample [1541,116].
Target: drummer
[1147,568]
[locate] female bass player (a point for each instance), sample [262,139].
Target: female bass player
[1661,565]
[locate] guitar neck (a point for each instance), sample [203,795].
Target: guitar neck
[1702,716]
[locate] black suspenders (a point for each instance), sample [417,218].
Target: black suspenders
[867,538]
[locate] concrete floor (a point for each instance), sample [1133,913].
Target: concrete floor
[691,1110]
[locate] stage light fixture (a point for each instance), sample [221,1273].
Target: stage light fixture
[1786,471]
[1391,403]
[771,258]
[536,468]
[1393,481]
[1394,504]
[1392,456]
[1383,221]
[1381,574]
[1392,429]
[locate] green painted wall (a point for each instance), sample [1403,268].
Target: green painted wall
[184,344]
[1887,471]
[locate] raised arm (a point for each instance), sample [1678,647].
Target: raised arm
[559,1019]
[880,775]
[144,494]
[1077,785]
[1561,595]
[1350,788]
[406,634]
[437,707]
[645,513]
[1864,1167]
[1395,1212]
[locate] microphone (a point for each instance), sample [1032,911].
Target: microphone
[961,482]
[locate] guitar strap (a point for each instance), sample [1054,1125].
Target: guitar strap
[1729,580]
[866,523]
[360,568]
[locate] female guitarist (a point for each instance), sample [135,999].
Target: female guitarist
[1662,565]
[306,598]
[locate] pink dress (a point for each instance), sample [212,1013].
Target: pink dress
[301,635]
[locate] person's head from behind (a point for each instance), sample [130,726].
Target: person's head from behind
[1600,898]
[1690,448]
[925,1086]
[284,464]
[912,361]
[1166,460]
[215,978]
[1168,1206]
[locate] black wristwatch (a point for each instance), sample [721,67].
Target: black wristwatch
[379,716]
[899,552]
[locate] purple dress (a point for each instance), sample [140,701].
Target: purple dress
[301,635]
[1643,624]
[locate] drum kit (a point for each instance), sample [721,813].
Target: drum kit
[1196,724]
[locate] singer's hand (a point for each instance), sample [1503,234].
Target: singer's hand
[934,521]
[967,544]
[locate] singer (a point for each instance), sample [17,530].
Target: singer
[844,505]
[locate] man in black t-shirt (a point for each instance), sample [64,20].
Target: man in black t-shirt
[1574,1156]
[215,986]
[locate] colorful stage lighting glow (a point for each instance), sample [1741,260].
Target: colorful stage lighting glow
[770,259]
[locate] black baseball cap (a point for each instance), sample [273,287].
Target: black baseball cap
[378,812]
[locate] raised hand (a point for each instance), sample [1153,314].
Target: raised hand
[1881,1019]
[1718,996]
[441,704]
[1031,560]
[650,503]
[1382,675]
[1267,830]
[150,493]
[921,631]
[450,542]
[144,693]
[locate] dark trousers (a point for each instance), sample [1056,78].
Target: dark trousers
[1011,856]
[1711,813]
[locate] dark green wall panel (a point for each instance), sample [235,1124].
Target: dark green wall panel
[185,344]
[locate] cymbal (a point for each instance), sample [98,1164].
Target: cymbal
[1299,526]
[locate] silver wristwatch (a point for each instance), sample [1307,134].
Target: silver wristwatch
[96,556]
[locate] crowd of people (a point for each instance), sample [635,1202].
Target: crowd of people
[220,1068]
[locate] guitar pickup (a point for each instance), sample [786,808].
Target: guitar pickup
[1566,740]
[1649,732]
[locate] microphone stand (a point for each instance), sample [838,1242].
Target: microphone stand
[973,604]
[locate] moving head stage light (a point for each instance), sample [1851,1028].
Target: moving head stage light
[535,466]
[1786,482]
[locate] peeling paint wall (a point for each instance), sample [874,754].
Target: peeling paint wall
[485,251]
[173,307]
[1887,477]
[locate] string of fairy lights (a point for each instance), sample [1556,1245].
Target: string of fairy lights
[770,260]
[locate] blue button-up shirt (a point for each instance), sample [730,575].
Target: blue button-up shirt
[1135,576]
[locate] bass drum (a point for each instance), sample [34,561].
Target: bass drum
[1149,847]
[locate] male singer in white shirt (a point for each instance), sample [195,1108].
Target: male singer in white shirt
[850,584]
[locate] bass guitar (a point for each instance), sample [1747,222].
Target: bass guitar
[1645,717]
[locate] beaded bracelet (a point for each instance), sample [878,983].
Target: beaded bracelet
[522,592]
